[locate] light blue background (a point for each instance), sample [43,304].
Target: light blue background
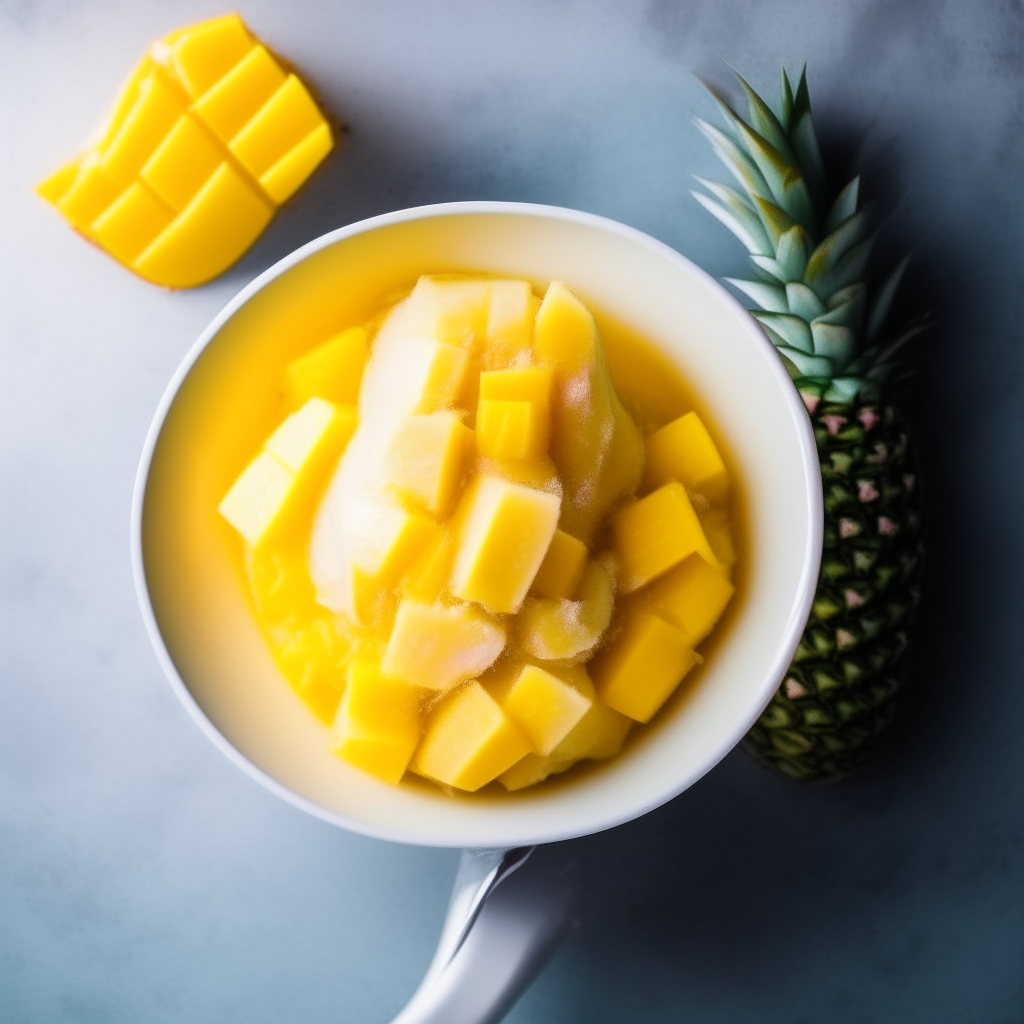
[143,878]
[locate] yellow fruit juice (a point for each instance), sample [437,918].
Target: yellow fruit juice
[484,538]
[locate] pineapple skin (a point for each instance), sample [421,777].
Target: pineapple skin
[841,690]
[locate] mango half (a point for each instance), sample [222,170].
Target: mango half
[209,135]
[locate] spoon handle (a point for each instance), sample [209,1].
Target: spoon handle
[494,940]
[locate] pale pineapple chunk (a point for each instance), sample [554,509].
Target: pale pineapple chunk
[408,374]
[453,311]
[469,741]
[594,443]
[505,533]
[645,662]
[510,316]
[377,727]
[398,540]
[436,646]
[683,450]
[563,629]
[544,707]
[332,370]
[691,596]
[655,533]
[425,460]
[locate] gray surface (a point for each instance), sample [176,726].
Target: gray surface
[143,878]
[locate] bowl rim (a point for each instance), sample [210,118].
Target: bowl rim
[808,455]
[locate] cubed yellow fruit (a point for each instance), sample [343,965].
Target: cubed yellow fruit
[645,662]
[544,707]
[655,533]
[426,458]
[510,430]
[411,374]
[332,370]
[214,130]
[437,646]
[683,450]
[595,444]
[377,727]
[691,596]
[510,315]
[469,741]
[428,578]
[401,538]
[452,311]
[504,537]
[719,531]
[561,629]
[529,384]
[559,574]
[281,482]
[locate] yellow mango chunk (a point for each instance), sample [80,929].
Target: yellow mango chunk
[425,460]
[220,223]
[258,498]
[230,104]
[332,370]
[514,413]
[511,310]
[184,161]
[437,646]
[201,91]
[280,125]
[156,110]
[505,534]
[563,629]
[691,596]
[203,54]
[403,537]
[544,707]
[469,741]
[428,578]
[594,442]
[718,530]
[282,481]
[312,660]
[131,222]
[683,450]
[377,727]
[559,574]
[637,673]
[284,178]
[656,533]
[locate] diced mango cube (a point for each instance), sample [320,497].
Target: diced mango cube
[691,596]
[437,646]
[258,498]
[561,629]
[426,458]
[53,188]
[229,105]
[513,419]
[284,178]
[559,574]
[280,124]
[529,384]
[428,578]
[131,222]
[683,450]
[332,370]
[469,741]
[378,725]
[402,538]
[92,192]
[156,110]
[544,707]
[594,442]
[282,480]
[183,162]
[203,54]
[655,533]
[637,673]
[718,530]
[221,222]
[504,537]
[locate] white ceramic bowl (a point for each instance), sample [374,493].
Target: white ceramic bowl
[188,581]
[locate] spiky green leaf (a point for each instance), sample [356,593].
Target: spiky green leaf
[844,207]
[764,121]
[791,252]
[770,267]
[802,301]
[769,297]
[828,254]
[786,114]
[775,220]
[848,270]
[835,341]
[748,230]
[883,301]
[807,365]
[742,168]
[793,330]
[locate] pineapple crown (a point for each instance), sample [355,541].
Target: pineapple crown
[810,251]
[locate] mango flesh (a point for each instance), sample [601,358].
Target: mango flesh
[432,602]
[208,137]
[683,450]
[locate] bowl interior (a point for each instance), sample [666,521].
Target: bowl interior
[189,570]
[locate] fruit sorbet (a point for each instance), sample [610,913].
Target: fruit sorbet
[467,557]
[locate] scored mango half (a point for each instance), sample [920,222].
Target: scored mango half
[209,136]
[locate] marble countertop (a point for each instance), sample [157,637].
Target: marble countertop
[144,878]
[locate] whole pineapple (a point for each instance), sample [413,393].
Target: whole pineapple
[810,252]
